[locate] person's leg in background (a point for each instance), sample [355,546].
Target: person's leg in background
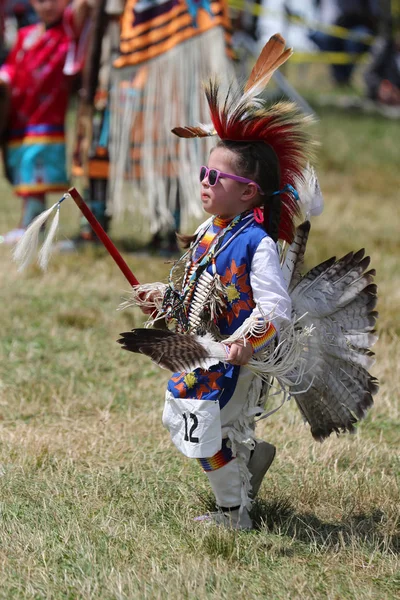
[328,43]
[171,246]
[32,207]
[164,242]
[96,199]
[343,73]
[95,196]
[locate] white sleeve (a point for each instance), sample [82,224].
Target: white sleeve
[268,286]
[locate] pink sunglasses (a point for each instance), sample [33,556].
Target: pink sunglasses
[214,175]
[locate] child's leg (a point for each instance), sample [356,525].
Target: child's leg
[261,459]
[225,475]
[229,476]
[235,476]
[32,207]
[229,480]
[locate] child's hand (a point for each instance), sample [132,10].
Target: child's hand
[239,353]
[149,300]
[148,310]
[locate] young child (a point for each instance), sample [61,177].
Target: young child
[230,284]
[235,248]
[38,73]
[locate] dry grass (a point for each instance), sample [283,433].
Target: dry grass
[95,502]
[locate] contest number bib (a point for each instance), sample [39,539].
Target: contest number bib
[194,425]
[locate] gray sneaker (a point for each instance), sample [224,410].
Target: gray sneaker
[229,519]
[259,463]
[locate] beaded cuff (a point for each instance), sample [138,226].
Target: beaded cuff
[261,341]
[222,458]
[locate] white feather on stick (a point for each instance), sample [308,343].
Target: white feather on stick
[26,249]
[47,248]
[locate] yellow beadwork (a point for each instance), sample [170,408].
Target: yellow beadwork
[232,293]
[190,380]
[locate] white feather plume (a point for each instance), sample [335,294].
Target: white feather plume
[47,248]
[25,251]
[310,196]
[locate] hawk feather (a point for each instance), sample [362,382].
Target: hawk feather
[174,351]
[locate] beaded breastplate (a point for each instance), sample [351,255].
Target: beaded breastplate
[195,296]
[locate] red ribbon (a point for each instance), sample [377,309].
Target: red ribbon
[258,215]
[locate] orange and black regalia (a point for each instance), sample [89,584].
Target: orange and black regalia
[167,48]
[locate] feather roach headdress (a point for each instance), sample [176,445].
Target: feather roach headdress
[244,117]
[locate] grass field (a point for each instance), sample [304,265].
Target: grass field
[95,503]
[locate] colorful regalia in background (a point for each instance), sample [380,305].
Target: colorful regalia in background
[167,49]
[39,73]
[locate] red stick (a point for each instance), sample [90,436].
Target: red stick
[103,237]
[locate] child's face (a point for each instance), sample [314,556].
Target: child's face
[227,198]
[49,11]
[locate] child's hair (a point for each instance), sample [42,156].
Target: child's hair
[258,161]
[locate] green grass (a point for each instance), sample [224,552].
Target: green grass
[95,503]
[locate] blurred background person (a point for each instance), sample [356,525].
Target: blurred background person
[37,76]
[124,133]
[359,17]
[166,49]
[382,76]
[90,159]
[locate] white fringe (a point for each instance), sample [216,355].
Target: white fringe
[287,362]
[241,435]
[172,96]
[146,295]
[251,327]
[47,248]
[26,249]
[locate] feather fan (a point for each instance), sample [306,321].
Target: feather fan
[174,351]
[337,297]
